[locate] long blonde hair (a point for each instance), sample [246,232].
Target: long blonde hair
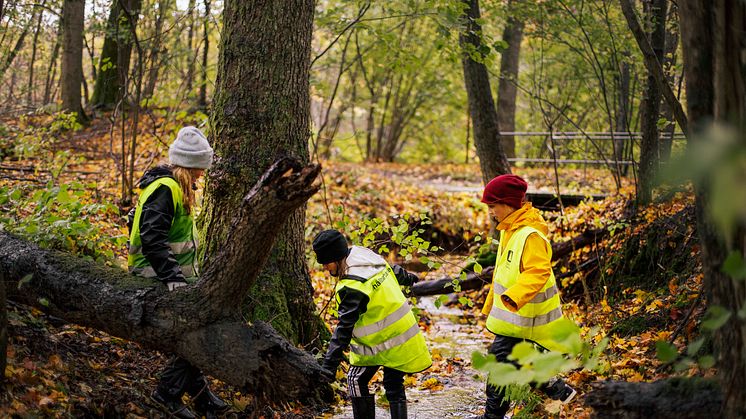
[186,177]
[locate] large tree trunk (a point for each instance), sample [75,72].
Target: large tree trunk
[492,159]
[71,75]
[114,63]
[261,110]
[655,10]
[713,63]
[201,323]
[507,89]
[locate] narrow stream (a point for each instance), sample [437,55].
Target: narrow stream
[454,338]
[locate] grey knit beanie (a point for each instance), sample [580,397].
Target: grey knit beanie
[190,149]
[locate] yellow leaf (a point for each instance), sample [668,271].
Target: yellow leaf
[432,384]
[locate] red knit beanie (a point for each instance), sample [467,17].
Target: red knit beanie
[505,189]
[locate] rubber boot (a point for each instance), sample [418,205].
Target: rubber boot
[398,409]
[207,403]
[174,407]
[364,407]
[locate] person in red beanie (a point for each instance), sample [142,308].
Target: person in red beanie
[523,303]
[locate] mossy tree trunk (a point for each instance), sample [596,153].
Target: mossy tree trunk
[655,11]
[114,62]
[492,159]
[261,110]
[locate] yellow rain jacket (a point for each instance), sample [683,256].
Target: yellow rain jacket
[536,261]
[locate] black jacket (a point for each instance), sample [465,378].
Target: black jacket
[352,305]
[155,223]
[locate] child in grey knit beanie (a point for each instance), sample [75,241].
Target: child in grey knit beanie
[191,149]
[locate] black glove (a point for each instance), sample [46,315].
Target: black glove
[405,278]
[326,376]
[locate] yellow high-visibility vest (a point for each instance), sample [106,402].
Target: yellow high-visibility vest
[181,237]
[387,334]
[536,320]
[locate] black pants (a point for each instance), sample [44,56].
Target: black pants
[497,406]
[179,377]
[393,382]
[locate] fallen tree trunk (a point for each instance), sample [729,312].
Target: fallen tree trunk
[676,398]
[202,322]
[474,281]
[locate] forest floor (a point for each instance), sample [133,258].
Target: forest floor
[638,285]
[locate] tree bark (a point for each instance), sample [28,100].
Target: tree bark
[190,48]
[492,159]
[30,88]
[675,398]
[507,90]
[114,63]
[623,110]
[201,323]
[669,66]
[202,101]
[261,110]
[3,327]
[71,74]
[655,10]
[52,69]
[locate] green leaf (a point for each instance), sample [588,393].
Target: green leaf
[477,268]
[25,280]
[707,361]
[695,346]
[666,352]
[735,266]
[15,195]
[715,318]
[439,301]
[44,302]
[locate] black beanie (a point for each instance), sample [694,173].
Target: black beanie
[330,246]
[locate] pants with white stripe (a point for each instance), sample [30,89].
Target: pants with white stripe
[393,382]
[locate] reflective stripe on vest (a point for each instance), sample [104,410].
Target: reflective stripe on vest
[518,320]
[542,296]
[361,331]
[387,344]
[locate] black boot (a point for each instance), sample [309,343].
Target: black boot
[398,409]
[206,402]
[174,407]
[364,407]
